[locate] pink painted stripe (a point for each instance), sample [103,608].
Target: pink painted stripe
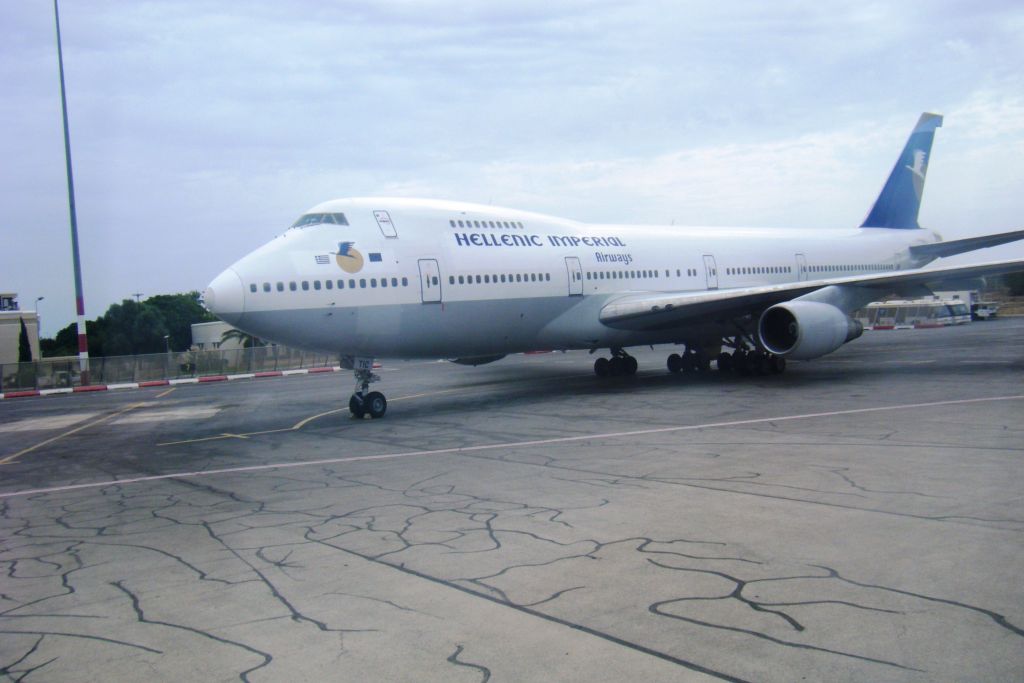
[318,370]
[269,373]
[154,383]
[21,394]
[214,378]
[91,387]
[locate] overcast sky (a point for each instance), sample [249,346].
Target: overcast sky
[200,130]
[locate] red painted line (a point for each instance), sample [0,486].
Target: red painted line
[214,378]
[269,373]
[154,383]
[20,394]
[91,387]
[316,370]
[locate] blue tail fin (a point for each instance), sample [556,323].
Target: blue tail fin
[897,205]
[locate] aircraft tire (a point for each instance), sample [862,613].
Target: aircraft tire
[601,368]
[376,405]
[778,364]
[629,365]
[616,366]
[357,407]
[675,363]
[724,362]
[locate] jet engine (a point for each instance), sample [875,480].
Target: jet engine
[476,360]
[803,330]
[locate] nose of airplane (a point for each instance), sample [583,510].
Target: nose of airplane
[225,297]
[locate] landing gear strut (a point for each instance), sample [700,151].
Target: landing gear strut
[621,363]
[365,402]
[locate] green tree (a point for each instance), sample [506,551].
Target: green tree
[130,328]
[180,312]
[24,347]
[247,340]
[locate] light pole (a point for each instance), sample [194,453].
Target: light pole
[167,357]
[83,340]
[137,295]
[39,318]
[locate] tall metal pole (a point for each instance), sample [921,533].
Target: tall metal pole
[83,341]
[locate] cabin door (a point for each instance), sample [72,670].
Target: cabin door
[575,273]
[430,281]
[801,267]
[710,271]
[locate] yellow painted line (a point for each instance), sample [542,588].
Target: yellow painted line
[162,394]
[11,458]
[302,423]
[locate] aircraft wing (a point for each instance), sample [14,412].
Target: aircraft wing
[665,310]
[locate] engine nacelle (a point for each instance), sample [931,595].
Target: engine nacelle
[803,330]
[476,360]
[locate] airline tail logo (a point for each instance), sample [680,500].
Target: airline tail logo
[348,258]
[919,168]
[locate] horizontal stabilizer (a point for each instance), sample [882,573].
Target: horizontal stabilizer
[928,252]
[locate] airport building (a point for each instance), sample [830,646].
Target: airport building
[11,317]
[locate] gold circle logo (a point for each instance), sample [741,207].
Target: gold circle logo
[348,258]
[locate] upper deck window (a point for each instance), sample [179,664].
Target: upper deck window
[309,219]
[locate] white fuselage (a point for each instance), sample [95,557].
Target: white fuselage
[414,278]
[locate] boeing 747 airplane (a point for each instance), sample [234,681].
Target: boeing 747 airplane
[378,277]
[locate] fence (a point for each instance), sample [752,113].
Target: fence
[63,372]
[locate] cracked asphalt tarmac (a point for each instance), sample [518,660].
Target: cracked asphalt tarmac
[857,518]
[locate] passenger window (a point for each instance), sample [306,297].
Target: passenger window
[292,286]
[328,284]
[252,288]
[373,282]
[362,283]
[305,285]
[405,282]
[316,284]
[383,282]
[280,286]
[451,279]
[266,286]
[462,280]
[352,284]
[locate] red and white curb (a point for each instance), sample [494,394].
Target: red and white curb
[168,382]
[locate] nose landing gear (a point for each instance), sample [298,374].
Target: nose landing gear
[365,402]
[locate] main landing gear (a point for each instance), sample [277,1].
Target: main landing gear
[745,359]
[621,363]
[365,402]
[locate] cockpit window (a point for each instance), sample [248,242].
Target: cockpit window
[318,218]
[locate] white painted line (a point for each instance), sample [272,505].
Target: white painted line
[250,375]
[303,371]
[513,444]
[50,392]
[187,380]
[127,385]
[33,424]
